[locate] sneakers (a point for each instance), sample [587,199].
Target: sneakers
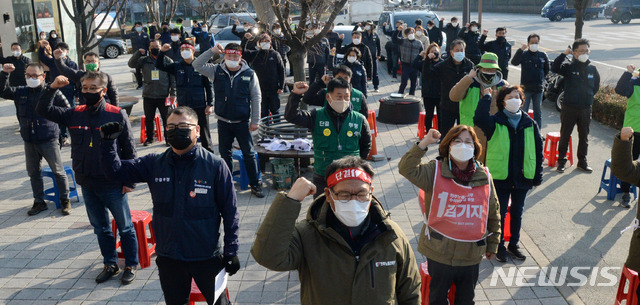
[128,275]
[501,256]
[66,207]
[376,90]
[107,273]
[585,167]
[561,167]
[257,191]
[514,250]
[37,208]
[626,198]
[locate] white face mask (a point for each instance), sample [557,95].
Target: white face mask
[175,38]
[458,56]
[461,152]
[63,55]
[430,27]
[33,82]
[351,59]
[232,64]
[185,54]
[534,47]
[512,105]
[351,213]
[43,37]
[356,41]
[419,33]
[583,57]
[474,29]
[454,24]
[54,36]
[338,106]
[16,53]
[411,36]
[367,27]
[265,45]
[277,31]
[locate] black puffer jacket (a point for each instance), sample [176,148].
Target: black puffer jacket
[449,74]
[430,83]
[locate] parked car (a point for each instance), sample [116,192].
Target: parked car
[622,10]
[217,22]
[358,11]
[111,47]
[409,17]
[556,10]
[225,36]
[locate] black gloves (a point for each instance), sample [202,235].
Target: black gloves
[231,263]
[111,130]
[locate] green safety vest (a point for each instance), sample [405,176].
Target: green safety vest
[498,149]
[469,103]
[632,114]
[329,145]
[356,99]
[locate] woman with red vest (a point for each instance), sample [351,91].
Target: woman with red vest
[514,157]
[462,220]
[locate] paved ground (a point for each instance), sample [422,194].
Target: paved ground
[49,259]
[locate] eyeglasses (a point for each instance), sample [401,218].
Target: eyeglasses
[459,141]
[33,75]
[180,126]
[346,196]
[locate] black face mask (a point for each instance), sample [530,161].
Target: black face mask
[501,39]
[179,138]
[436,54]
[165,30]
[91,99]
[154,52]
[488,78]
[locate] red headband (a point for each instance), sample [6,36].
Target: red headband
[187,45]
[232,52]
[350,173]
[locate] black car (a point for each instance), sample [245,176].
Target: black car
[622,10]
[112,47]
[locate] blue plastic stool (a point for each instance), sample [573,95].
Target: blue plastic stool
[52,194]
[611,185]
[241,176]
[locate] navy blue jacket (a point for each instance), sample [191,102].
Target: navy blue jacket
[471,39]
[535,66]
[33,128]
[269,68]
[165,37]
[581,81]
[75,75]
[359,76]
[233,94]
[84,128]
[205,39]
[193,89]
[138,40]
[487,123]
[502,49]
[53,69]
[191,194]
[17,77]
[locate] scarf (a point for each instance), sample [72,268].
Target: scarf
[463,175]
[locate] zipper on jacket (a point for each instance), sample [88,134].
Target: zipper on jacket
[373,276]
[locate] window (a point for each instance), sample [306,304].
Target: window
[226,35]
[25,29]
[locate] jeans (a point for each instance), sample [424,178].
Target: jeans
[240,131]
[429,105]
[635,153]
[569,117]
[150,105]
[517,206]
[50,151]
[205,132]
[408,72]
[175,279]
[442,276]
[98,203]
[536,98]
[270,103]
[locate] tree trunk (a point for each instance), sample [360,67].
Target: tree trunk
[264,11]
[579,23]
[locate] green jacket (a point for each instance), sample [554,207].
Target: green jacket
[386,272]
[448,251]
[624,168]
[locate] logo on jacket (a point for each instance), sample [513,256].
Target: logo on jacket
[192,194]
[326,132]
[246,78]
[162,179]
[385,264]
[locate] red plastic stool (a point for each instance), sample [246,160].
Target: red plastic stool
[422,131]
[143,129]
[196,295]
[146,244]
[631,277]
[373,126]
[426,280]
[551,148]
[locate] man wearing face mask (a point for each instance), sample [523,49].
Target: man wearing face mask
[162,34]
[317,93]
[410,48]
[434,33]
[237,106]
[91,64]
[337,130]
[202,35]
[470,34]
[70,90]
[139,40]
[101,194]
[279,43]
[366,58]
[19,62]
[196,182]
[372,41]
[500,47]
[319,57]
[193,89]
[581,83]
[347,250]
[157,86]
[269,68]
[535,66]
[451,30]
[40,136]
[176,46]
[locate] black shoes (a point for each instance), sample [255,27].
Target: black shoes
[147,143]
[514,250]
[107,273]
[561,167]
[502,255]
[626,198]
[128,275]
[66,207]
[585,167]
[257,191]
[37,208]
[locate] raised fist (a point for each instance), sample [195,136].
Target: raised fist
[301,189]
[123,26]
[165,47]
[524,47]
[626,133]
[326,78]
[57,53]
[300,88]
[157,36]
[485,32]
[59,82]
[142,51]
[8,68]
[111,130]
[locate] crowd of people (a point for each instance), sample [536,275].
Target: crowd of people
[347,249]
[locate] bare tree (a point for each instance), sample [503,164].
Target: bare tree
[581,7]
[160,10]
[84,13]
[311,15]
[204,9]
[264,12]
